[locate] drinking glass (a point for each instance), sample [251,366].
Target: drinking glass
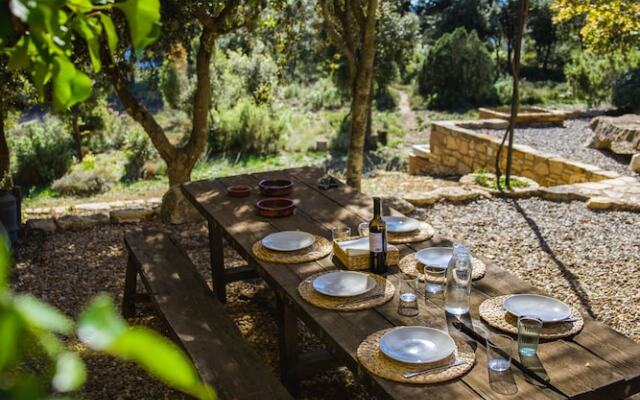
[499,352]
[408,305]
[528,335]
[340,232]
[434,281]
[363,229]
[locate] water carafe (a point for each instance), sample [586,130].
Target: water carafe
[458,288]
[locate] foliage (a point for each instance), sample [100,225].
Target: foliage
[626,91]
[31,328]
[259,72]
[458,71]
[607,25]
[323,95]
[171,84]
[542,30]
[248,128]
[489,181]
[534,93]
[112,134]
[39,36]
[80,182]
[42,151]
[591,77]
[448,15]
[138,151]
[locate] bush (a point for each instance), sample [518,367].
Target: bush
[249,128]
[534,93]
[458,72]
[42,152]
[591,78]
[81,182]
[138,151]
[324,95]
[626,91]
[171,84]
[112,132]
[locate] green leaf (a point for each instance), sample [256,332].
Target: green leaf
[162,359]
[89,31]
[70,86]
[40,74]
[10,333]
[26,387]
[80,6]
[42,315]
[143,17]
[19,55]
[70,372]
[5,263]
[100,325]
[110,30]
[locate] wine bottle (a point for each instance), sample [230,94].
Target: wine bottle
[377,240]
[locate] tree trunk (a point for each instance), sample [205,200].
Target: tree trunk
[5,160]
[361,98]
[178,172]
[75,132]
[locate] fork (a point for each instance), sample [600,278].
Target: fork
[409,375]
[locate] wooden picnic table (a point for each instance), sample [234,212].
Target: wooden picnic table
[597,363]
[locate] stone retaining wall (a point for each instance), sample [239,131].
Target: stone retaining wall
[456,149]
[529,116]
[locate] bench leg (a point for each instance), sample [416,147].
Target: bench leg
[288,343]
[130,283]
[217,261]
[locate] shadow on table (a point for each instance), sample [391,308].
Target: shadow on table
[567,275]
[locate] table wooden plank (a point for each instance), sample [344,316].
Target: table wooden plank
[343,331]
[498,282]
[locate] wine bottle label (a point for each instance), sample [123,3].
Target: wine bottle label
[376,243]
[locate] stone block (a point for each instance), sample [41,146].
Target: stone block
[131,215]
[635,163]
[541,168]
[43,224]
[599,203]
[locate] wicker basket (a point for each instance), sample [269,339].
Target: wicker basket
[361,262]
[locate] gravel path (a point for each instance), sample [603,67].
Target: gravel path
[588,259]
[569,142]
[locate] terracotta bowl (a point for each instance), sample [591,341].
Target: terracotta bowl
[275,187]
[275,207]
[239,191]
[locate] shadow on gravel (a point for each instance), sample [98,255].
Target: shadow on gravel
[567,275]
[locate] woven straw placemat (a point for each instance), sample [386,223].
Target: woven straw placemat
[493,312]
[377,363]
[415,269]
[383,286]
[319,249]
[425,232]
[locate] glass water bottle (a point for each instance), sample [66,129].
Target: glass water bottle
[458,288]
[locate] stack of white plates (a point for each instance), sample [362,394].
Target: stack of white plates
[401,224]
[417,344]
[546,309]
[288,241]
[343,283]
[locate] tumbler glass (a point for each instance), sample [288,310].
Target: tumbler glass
[499,349]
[342,232]
[408,305]
[528,335]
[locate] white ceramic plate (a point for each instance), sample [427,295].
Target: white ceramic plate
[417,344]
[545,308]
[288,241]
[344,283]
[435,257]
[401,224]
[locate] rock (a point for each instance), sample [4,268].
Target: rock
[599,203]
[76,223]
[131,215]
[176,209]
[452,193]
[43,224]
[399,204]
[618,134]
[635,163]
[93,207]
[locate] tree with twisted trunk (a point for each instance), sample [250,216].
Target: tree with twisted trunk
[351,27]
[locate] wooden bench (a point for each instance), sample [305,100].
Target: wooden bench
[195,318]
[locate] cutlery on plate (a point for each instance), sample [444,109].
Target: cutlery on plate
[410,375]
[352,301]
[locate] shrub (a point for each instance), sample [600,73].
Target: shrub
[626,91]
[324,95]
[249,128]
[111,133]
[171,84]
[591,78]
[458,72]
[138,151]
[42,152]
[81,182]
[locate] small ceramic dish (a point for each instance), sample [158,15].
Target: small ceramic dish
[275,187]
[239,191]
[275,207]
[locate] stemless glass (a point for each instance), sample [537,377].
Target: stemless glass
[499,352]
[363,229]
[341,232]
[408,305]
[434,281]
[528,335]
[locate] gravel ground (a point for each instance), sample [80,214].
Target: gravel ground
[588,259]
[569,142]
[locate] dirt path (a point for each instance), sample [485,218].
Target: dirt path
[414,134]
